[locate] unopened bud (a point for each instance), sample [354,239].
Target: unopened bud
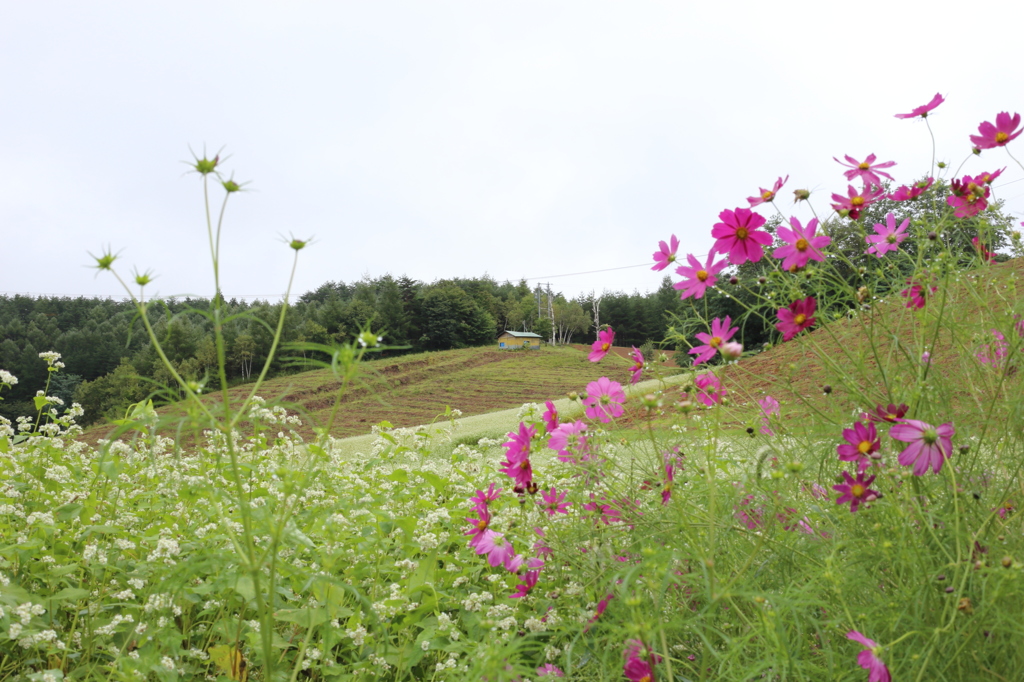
[734,280]
[731,350]
[801,195]
[941,164]
[932,236]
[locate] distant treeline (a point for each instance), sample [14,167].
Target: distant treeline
[110,362]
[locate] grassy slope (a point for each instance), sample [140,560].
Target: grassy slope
[414,389]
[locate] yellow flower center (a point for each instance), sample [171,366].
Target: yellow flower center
[857,201]
[800,319]
[482,524]
[715,341]
[864,447]
[741,233]
[525,465]
[891,238]
[801,244]
[1002,137]
[767,196]
[857,490]
[702,275]
[864,165]
[605,346]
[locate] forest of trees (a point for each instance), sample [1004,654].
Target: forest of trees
[111,364]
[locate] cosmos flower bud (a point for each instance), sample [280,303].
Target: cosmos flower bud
[801,195]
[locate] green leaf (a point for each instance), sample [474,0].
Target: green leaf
[399,476]
[438,483]
[307,618]
[244,586]
[69,511]
[70,594]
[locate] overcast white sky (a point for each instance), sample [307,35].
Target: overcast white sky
[453,139]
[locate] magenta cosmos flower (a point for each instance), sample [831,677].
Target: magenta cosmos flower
[924,109]
[517,447]
[709,389]
[605,337]
[887,237]
[554,502]
[891,413]
[637,369]
[861,443]
[477,526]
[993,353]
[769,406]
[666,254]
[550,670]
[969,196]
[482,498]
[529,582]
[738,236]
[550,417]
[603,513]
[856,201]
[604,400]
[699,278]
[1004,130]
[797,317]
[855,490]
[867,170]
[905,193]
[869,660]
[720,333]
[670,479]
[569,441]
[767,195]
[802,245]
[928,446]
[917,294]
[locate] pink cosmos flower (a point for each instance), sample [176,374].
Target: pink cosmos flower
[861,443]
[478,526]
[709,389]
[993,353]
[968,196]
[541,546]
[637,370]
[518,444]
[496,547]
[767,195]
[550,417]
[604,513]
[529,582]
[905,193]
[917,294]
[550,670]
[867,170]
[924,109]
[989,178]
[731,350]
[887,237]
[720,333]
[699,277]
[997,135]
[738,235]
[891,413]
[601,607]
[929,446]
[554,502]
[983,253]
[520,471]
[637,670]
[604,400]
[797,317]
[769,406]
[856,201]
[868,658]
[670,477]
[855,490]
[482,498]
[666,255]
[570,443]
[605,337]
[803,245]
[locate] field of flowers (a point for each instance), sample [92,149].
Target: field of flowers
[736,526]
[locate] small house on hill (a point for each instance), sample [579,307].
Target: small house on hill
[510,340]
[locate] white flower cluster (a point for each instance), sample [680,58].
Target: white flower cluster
[7,378]
[447,627]
[110,627]
[475,600]
[52,358]
[165,549]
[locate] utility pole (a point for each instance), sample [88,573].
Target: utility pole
[551,313]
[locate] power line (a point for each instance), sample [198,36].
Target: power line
[588,272]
